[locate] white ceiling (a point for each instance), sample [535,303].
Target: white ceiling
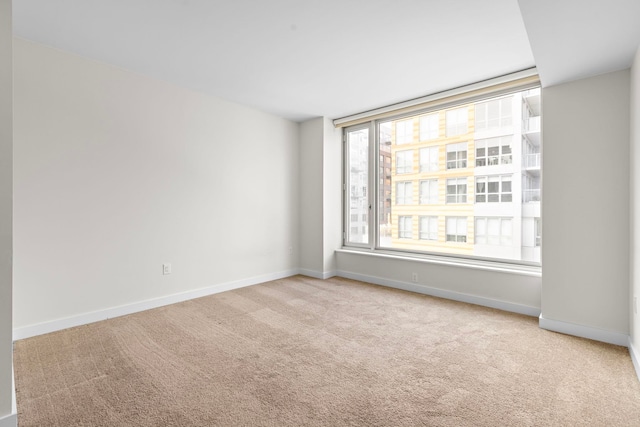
[307,58]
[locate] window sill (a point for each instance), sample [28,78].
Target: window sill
[502,267]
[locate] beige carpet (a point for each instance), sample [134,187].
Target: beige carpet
[306,352]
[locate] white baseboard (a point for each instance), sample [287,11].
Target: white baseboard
[635,358]
[317,274]
[10,420]
[442,293]
[584,331]
[96,316]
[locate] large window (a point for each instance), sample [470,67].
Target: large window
[460,181]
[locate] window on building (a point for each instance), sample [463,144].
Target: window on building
[457,121]
[494,151]
[429,127]
[494,231]
[475,191]
[457,155]
[428,228]
[456,229]
[494,114]
[404,193]
[493,189]
[429,159]
[404,227]
[429,191]
[404,161]
[457,190]
[404,132]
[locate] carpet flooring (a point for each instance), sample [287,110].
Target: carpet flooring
[307,352]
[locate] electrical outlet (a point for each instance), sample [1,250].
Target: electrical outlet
[166,268]
[414,277]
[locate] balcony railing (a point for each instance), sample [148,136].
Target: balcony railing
[529,196]
[531,161]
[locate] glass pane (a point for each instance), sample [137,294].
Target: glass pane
[358,186]
[433,207]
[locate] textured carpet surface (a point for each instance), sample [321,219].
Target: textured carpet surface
[306,352]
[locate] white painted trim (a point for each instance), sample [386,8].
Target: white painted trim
[442,293]
[10,420]
[497,266]
[584,331]
[96,316]
[317,274]
[635,358]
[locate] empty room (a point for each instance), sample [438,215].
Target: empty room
[319,213]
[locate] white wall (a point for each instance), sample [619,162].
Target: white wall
[117,173]
[311,188]
[635,205]
[585,211]
[6,347]
[332,194]
[320,196]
